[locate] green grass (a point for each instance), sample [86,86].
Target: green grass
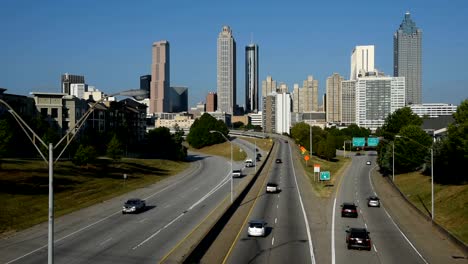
[323,188]
[223,150]
[450,201]
[24,186]
[264,144]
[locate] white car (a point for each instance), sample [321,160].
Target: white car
[373,201]
[368,162]
[256,228]
[236,173]
[272,188]
[249,163]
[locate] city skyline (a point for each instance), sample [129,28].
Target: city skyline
[36,45]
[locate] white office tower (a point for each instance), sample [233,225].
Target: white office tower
[226,77]
[348,102]
[78,89]
[433,109]
[283,113]
[333,104]
[362,61]
[376,98]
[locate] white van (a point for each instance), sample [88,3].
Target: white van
[249,163]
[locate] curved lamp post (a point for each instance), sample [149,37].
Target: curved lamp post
[37,142]
[432,169]
[216,131]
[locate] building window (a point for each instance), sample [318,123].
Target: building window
[44,112]
[54,113]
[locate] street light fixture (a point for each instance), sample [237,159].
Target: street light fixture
[432,170]
[37,142]
[216,131]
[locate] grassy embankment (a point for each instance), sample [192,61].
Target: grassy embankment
[224,149]
[450,201]
[24,186]
[263,144]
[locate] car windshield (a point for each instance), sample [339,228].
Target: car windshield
[359,233]
[349,206]
[256,225]
[132,202]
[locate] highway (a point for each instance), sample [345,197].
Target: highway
[287,237]
[390,245]
[101,234]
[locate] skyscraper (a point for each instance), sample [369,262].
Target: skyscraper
[333,104]
[160,78]
[68,79]
[226,77]
[251,78]
[145,83]
[407,58]
[268,86]
[362,61]
[348,102]
[311,85]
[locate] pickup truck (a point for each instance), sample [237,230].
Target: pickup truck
[236,173]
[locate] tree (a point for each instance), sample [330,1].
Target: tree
[84,155]
[200,136]
[161,144]
[411,149]
[5,137]
[397,120]
[114,148]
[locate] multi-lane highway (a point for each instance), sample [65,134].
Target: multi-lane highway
[287,237]
[389,244]
[101,234]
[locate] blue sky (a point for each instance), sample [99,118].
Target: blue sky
[110,41]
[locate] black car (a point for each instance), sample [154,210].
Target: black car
[133,206]
[349,210]
[358,238]
[278,161]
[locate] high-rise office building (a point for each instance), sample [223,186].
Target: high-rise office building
[145,83]
[407,58]
[211,102]
[269,113]
[348,102]
[160,78]
[178,99]
[251,78]
[333,104]
[68,79]
[282,88]
[376,98]
[362,61]
[226,68]
[283,113]
[268,86]
[311,102]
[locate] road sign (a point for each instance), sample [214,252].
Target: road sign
[325,176]
[303,150]
[359,142]
[306,157]
[316,167]
[372,142]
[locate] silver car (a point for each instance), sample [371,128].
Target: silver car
[256,228]
[373,201]
[133,206]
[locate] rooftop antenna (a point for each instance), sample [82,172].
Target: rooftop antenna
[251,38]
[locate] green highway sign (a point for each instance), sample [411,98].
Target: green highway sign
[324,175]
[359,142]
[372,141]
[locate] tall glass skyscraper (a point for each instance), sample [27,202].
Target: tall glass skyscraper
[251,78]
[226,77]
[407,58]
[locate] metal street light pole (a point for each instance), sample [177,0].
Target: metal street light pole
[432,172]
[255,156]
[393,158]
[216,131]
[36,140]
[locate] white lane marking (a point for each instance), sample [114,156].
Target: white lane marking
[401,232]
[375,249]
[167,206]
[58,240]
[143,220]
[358,201]
[278,196]
[157,232]
[356,194]
[102,219]
[333,233]
[276,220]
[365,225]
[273,241]
[105,241]
[277,206]
[311,247]
[196,188]
[217,187]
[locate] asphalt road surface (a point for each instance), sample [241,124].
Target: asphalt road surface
[287,238]
[101,234]
[389,244]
